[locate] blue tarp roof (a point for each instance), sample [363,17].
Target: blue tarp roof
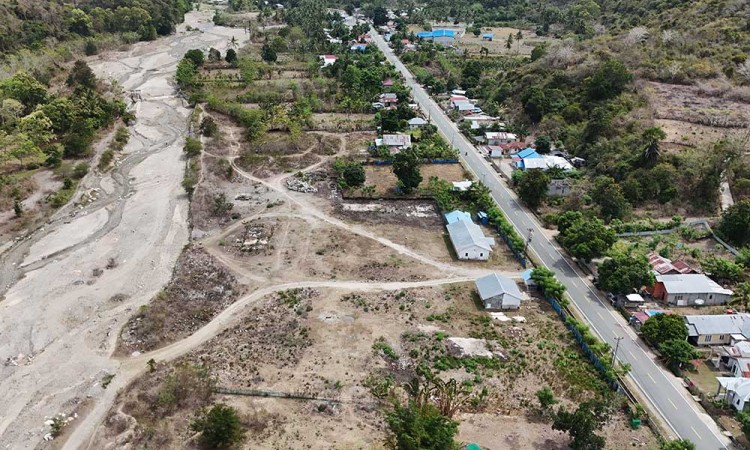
[455,216]
[488,35]
[526,274]
[436,33]
[528,153]
[443,33]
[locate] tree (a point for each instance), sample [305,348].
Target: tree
[582,424]
[406,169]
[610,198]
[651,138]
[546,397]
[24,88]
[741,295]
[535,103]
[37,127]
[678,352]
[543,144]
[509,42]
[10,111]
[208,127]
[532,187]
[734,225]
[196,56]
[379,16]
[81,75]
[609,80]
[214,55]
[723,269]
[351,173]
[586,239]
[661,328]
[220,427]
[192,147]
[622,274]
[420,426]
[679,444]
[268,53]
[231,57]
[186,72]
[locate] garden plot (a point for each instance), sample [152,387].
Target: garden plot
[353,347]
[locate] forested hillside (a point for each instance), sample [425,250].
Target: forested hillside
[37,23]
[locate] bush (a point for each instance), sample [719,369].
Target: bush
[220,427]
[193,147]
[80,170]
[208,127]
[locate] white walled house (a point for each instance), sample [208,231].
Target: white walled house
[469,241]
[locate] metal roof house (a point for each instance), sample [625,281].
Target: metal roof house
[499,137]
[456,215]
[469,241]
[417,122]
[719,329]
[397,141]
[488,37]
[498,292]
[737,391]
[440,36]
[689,289]
[544,162]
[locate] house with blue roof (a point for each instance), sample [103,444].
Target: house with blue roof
[488,37]
[456,215]
[527,153]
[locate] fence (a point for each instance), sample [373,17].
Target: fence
[388,162]
[593,357]
[519,256]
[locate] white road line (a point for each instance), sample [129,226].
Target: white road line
[652,378]
[670,401]
[696,433]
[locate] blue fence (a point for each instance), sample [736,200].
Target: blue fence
[593,357]
[388,162]
[519,256]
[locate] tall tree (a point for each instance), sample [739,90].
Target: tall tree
[587,239]
[406,169]
[608,195]
[651,139]
[268,53]
[661,328]
[581,425]
[622,274]
[678,353]
[220,427]
[734,225]
[741,295]
[532,187]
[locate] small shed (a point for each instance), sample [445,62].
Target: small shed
[527,280]
[498,292]
[462,186]
[488,37]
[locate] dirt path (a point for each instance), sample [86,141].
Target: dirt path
[58,323]
[131,367]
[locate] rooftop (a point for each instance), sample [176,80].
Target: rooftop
[456,215]
[716,324]
[546,162]
[465,233]
[691,283]
[417,121]
[494,284]
[397,140]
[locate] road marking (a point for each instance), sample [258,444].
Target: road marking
[675,406]
[600,315]
[631,354]
[696,433]
[652,378]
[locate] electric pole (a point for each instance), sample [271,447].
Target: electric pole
[617,346]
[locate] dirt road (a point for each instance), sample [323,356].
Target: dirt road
[58,324]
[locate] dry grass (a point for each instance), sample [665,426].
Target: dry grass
[384,180]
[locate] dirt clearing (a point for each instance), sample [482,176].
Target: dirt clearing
[384,180]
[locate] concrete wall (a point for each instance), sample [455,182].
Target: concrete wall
[714,339]
[473,253]
[689,299]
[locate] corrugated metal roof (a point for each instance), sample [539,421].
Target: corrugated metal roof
[495,284]
[716,324]
[691,283]
[456,215]
[464,234]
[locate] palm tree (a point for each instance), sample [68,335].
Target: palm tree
[652,136]
[233,43]
[741,295]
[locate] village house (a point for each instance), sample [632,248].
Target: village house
[665,266]
[689,289]
[328,60]
[499,137]
[544,162]
[469,241]
[493,151]
[416,122]
[387,84]
[718,329]
[456,215]
[479,120]
[394,142]
[737,391]
[388,99]
[439,36]
[498,292]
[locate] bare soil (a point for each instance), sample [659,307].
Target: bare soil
[279,153]
[199,289]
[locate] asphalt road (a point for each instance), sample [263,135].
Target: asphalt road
[665,392]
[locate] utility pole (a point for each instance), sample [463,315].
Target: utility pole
[528,240]
[617,346]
